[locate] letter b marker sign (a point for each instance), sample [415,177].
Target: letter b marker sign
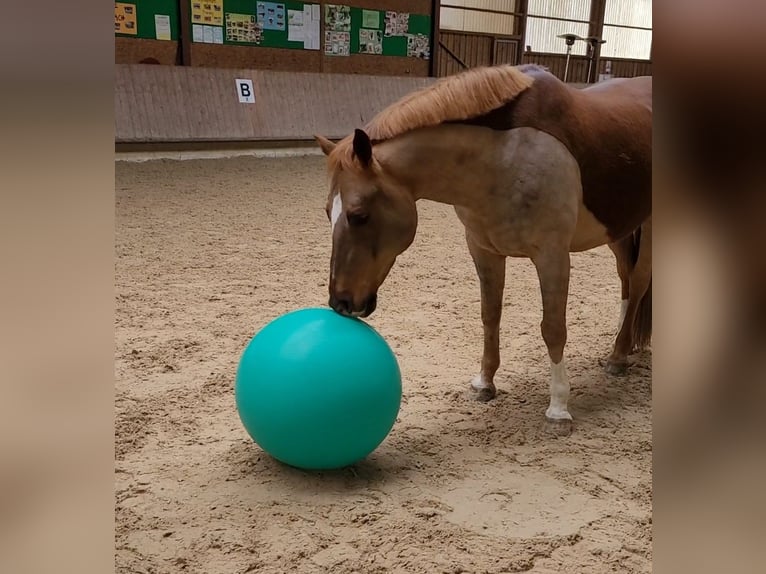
[245,91]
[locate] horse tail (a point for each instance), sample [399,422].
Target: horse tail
[642,326]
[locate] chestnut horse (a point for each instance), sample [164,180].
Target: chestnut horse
[533,167]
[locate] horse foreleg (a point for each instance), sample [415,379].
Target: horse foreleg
[553,271]
[640,278]
[491,270]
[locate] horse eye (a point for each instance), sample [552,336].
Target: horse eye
[357,219]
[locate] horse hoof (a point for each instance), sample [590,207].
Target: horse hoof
[616,368]
[484,391]
[558,427]
[485,395]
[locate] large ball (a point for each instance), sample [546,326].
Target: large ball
[317,390]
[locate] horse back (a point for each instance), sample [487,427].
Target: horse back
[608,129]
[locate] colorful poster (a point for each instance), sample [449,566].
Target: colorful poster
[397,23]
[243,28]
[370,41]
[337,43]
[208,12]
[162,26]
[125,18]
[370,19]
[418,46]
[271,16]
[337,18]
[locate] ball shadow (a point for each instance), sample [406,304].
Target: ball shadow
[383,465]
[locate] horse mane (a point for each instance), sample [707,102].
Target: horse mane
[460,97]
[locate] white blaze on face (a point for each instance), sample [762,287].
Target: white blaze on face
[337,208]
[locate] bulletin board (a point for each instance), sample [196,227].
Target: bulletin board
[148,19]
[350,30]
[290,24]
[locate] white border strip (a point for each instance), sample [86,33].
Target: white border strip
[143,156]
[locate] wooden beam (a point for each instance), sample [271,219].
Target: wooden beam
[485,10]
[451,53]
[523,7]
[184,11]
[596,28]
[433,69]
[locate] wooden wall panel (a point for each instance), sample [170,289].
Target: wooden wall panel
[505,52]
[187,104]
[556,63]
[471,49]
[370,64]
[217,56]
[578,66]
[140,50]
[627,68]
[252,57]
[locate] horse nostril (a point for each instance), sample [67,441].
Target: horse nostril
[341,304]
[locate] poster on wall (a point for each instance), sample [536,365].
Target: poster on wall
[337,43]
[207,34]
[337,18]
[311,21]
[125,18]
[397,23]
[243,28]
[162,26]
[295,32]
[271,16]
[370,41]
[418,46]
[370,19]
[207,12]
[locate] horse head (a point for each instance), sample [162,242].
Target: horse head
[373,220]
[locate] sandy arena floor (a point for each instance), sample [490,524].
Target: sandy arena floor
[209,251]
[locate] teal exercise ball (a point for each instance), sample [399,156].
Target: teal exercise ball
[317,390]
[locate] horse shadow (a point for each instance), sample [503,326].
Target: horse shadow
[512,418]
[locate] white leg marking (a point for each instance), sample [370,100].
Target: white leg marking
[623,310]
[559,392]
[337,208]
[478,383]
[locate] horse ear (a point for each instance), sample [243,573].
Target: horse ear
[363,147]
[326,145]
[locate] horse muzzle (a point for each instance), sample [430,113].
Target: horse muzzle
[344,304]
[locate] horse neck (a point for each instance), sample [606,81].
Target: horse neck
[450,163]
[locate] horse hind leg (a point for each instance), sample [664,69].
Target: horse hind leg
[553,272]
[635,328]
[491,270]
[624,255]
